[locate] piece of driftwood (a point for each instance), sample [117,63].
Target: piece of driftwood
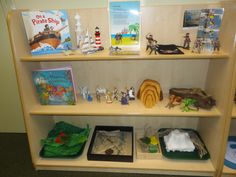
[202,99]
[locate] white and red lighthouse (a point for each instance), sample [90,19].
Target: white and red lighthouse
[97,38]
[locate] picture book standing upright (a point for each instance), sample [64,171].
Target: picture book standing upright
[47,31]
[55,86]
[208,30]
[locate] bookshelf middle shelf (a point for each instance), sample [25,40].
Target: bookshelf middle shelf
[135,108]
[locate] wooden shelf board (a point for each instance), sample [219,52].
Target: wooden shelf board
[135,108]
[234,112]
[227,170]
[150,166]
[104,55]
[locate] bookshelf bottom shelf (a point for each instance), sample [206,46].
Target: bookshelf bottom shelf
[163,166]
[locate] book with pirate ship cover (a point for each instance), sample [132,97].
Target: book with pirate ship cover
[47,31]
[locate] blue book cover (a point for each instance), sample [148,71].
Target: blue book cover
[47,31]
[55,86]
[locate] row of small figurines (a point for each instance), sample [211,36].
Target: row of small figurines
[102,93]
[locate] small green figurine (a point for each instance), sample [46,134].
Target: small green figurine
[188,104]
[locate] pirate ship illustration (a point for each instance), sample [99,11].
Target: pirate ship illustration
[47,31]
[51,37]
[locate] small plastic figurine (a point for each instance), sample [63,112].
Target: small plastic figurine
[150,40]
[188,104]
[83,92]
[89,97]
[151,44]
[114,50]
[100,92]
[108,97]
[154,47]
[174,101]
[124,99]
[197,46]
[187,41]
[118,38]
[216,44]
[131,93]
[98,96]
[115,95]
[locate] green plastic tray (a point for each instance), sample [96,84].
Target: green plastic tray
[79,153]
[68,129]
[182,155]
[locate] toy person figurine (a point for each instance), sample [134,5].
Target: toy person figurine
[109,97]
[197,46]
[131,93]
[98,96]
[115,95]
[150,40]
[216,44]
[124,98]
[187,41]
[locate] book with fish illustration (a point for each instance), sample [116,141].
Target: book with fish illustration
[55,86]
[47,31]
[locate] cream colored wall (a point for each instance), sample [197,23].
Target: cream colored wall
[71,4]
[11,119]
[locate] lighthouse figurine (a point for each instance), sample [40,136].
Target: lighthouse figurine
[98,39]
[78,30]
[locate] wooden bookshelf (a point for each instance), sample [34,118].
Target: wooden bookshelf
[212,72]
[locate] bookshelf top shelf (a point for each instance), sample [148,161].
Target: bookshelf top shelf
[104,55]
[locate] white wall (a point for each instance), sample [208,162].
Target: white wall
[11,119]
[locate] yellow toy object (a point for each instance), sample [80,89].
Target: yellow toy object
[150,93]
[154,140]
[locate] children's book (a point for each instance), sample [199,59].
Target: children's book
[55,86]
[125,27]
[47,31]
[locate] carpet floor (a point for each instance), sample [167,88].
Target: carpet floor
[15,161]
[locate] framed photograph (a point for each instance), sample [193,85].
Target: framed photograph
[111,143]
[191,18]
